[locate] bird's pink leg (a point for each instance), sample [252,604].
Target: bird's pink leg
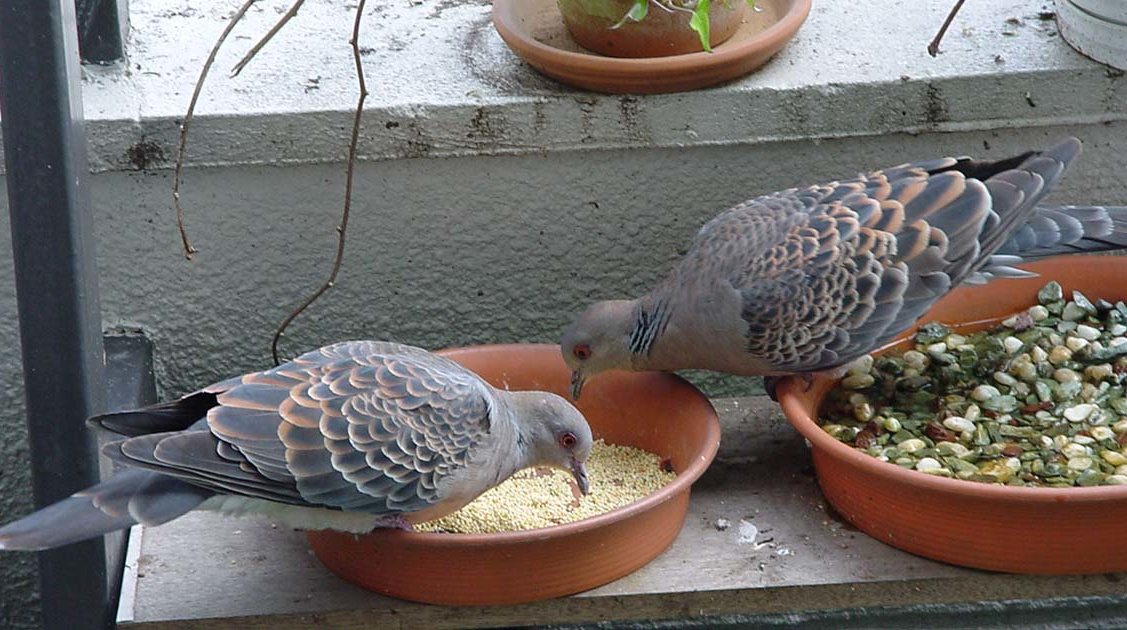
[770,383]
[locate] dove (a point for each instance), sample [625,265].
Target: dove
[808,279]
[353,436]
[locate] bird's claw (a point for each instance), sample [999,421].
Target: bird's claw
[770,383]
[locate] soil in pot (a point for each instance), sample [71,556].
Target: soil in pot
[660,34]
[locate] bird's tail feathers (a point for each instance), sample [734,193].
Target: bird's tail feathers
[127,498]
[176,415]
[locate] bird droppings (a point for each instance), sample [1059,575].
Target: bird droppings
[543,497]
[722,524]
[748,532]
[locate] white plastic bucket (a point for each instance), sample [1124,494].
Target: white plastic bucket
[1096,28]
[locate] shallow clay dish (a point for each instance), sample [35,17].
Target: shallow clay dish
[535,31]
[658,412]
[1001,528]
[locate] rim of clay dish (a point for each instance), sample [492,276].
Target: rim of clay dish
[800,407]
[681,483]
[781,30]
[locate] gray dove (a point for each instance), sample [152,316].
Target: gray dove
[353,436]
[809,279]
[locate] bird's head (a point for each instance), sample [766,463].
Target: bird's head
[556,434]
[597,341]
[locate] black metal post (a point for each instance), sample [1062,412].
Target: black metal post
[100,30]
[56,283]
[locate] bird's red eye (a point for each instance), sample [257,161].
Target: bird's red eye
[568,440]
[581,352]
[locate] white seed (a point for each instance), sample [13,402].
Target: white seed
[1103,433]
[864,413]
[955,340]
[915,360]
[956,423]
[911,445]
[1079,413]
[1117,330]
[1013,463]
[937,349]
[1095,346]
[1098,372]
[1010,322]
[1080,463]
[1059,354]
[1065,375]
[1005,379]
[892,425]
[1072,312]
[857,381]
[1083,439]
[928,464]
[1116,480]
[1072,449]
[1038,354]
[952,448]
[1113,457]
[861,365]
[983,393]
[1045,441]
[1120,426]
[1055,339]
[1087,332]
[1074,344]
[1027,372]
[972,412]
[1118,341]
[1038,312]
[1060,441]
[1043,415]
[1012,344]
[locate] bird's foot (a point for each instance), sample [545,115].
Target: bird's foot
[770,383]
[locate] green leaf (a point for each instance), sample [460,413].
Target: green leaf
[637,13]
[699,23]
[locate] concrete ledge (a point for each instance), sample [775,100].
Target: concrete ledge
[443,84]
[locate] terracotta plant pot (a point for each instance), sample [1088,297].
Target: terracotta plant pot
[660,413]
[535,31]
[985,526]
[660,34]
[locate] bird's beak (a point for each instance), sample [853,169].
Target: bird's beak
[580,473]
[577,381]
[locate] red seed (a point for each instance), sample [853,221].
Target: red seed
[938,433]
[865,439]
[1012,450]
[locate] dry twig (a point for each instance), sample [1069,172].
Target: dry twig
[343,227]
[188,249]
[933,47]
[266,38]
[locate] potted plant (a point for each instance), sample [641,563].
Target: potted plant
[651,28]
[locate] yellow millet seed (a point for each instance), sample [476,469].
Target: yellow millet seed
[543,497]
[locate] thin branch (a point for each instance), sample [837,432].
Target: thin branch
[266,38]
[933,47]
[343,227]
[188,249]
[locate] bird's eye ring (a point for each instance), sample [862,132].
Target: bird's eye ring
[581,352]
[568,440]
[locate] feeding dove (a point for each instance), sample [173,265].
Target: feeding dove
[809,279]
[353,436]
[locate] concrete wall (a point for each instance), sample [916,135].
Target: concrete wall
[441,252]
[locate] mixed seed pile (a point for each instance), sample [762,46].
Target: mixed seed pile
[542,497]
[1036,401]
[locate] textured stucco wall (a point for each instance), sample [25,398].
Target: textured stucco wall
[441,252]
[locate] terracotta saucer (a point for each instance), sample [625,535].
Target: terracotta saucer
[536,33]
[980,525]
